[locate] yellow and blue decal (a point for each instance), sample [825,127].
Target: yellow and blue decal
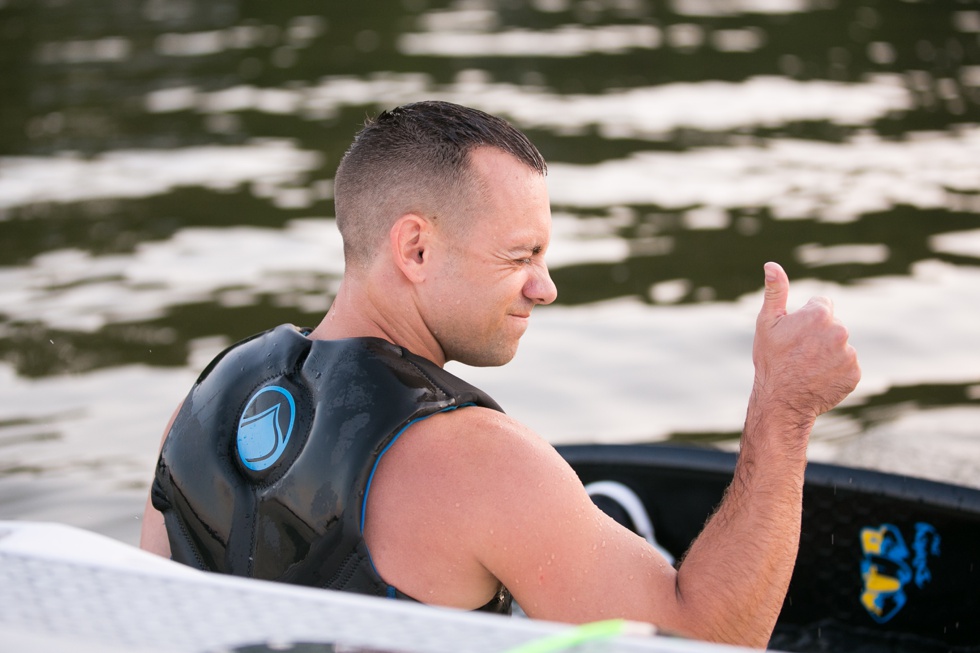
[888,566]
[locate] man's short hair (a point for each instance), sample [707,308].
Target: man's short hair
[414,159]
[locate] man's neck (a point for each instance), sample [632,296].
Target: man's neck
[357,313]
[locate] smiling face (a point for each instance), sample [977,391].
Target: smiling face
[490,272]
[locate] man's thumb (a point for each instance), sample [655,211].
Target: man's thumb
[777,291]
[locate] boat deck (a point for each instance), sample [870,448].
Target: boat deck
[63,589]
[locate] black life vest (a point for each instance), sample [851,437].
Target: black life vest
[266,468]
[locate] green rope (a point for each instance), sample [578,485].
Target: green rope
[585,633]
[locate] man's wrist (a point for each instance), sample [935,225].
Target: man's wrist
[773,425]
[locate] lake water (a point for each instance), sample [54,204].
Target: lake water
[166,189]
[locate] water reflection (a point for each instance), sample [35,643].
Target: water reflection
[166,178]
[267,165]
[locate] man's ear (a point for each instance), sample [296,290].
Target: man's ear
[409,238]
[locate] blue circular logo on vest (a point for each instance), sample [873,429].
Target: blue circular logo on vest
[265,427]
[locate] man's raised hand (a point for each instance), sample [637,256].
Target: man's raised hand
[803,362]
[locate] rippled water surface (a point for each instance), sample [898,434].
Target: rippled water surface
[166,189]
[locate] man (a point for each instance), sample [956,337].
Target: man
[391,476]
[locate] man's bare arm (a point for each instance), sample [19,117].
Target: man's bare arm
[804,367]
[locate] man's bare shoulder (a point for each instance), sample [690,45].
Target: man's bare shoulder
[484,443]
[433,499]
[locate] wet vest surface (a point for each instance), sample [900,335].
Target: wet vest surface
[265,469]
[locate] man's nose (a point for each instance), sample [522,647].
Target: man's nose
[540,288]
